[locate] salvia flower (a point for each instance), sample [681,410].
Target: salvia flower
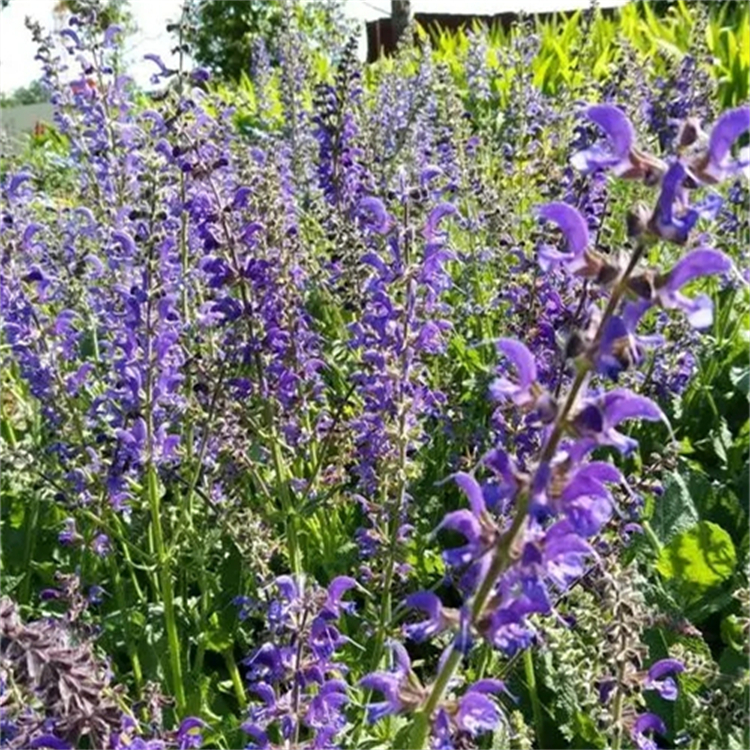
[661,678]
[647,723]
[714,164]
[621,155]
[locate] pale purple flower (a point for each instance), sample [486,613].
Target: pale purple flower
[436,621]
[672,218]
[389,684]
[336,589]
[620,155]
[660,678]
[525,392]
[716,164]
[188,733]
[576,233]
[586,500]
[701,262]
[597,421]
[373,213]
[477,713]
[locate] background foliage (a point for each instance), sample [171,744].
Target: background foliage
[173,581]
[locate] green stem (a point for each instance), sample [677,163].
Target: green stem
[234,673]
[282,487]
[536,705]
[131,648]
[165,577]
[30,535]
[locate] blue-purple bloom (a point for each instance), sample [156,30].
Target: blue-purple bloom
[715,165]
[621,155]
[661,678]
[647,723]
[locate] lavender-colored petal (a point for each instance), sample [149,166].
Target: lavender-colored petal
[664,667]
[338,587]
[601,471]
[17,180]
[426,601]
[436,216]
[191,722]
[375,214]
[594,158]
[464,522]
[477,714]
[615,123]
[163,69]
[473,491]
[70,34]
[522,359]
[702,262]
[489,685]
[571,223]
[431,604]
[265,692]
[649,723]
[727,129]
[287,587]
[622,404]
[671,183]
[401,657]
[699,311]
[125,241]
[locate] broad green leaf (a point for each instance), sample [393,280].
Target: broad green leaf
[698,559]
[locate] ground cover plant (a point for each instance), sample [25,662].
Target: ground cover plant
[399,406]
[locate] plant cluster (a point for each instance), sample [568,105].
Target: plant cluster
[261,344]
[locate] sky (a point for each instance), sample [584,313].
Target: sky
[18,67]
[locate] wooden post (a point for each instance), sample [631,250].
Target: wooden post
[400,17]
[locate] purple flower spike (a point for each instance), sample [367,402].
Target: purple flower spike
[716,165]
[701,262]
[660,678]
[647,723]
[575,230]
[436,623]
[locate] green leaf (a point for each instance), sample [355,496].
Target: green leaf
[740,379]
[586,733]
[675,510]
[698,559]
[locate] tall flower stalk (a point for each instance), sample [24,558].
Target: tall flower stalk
[509,567]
